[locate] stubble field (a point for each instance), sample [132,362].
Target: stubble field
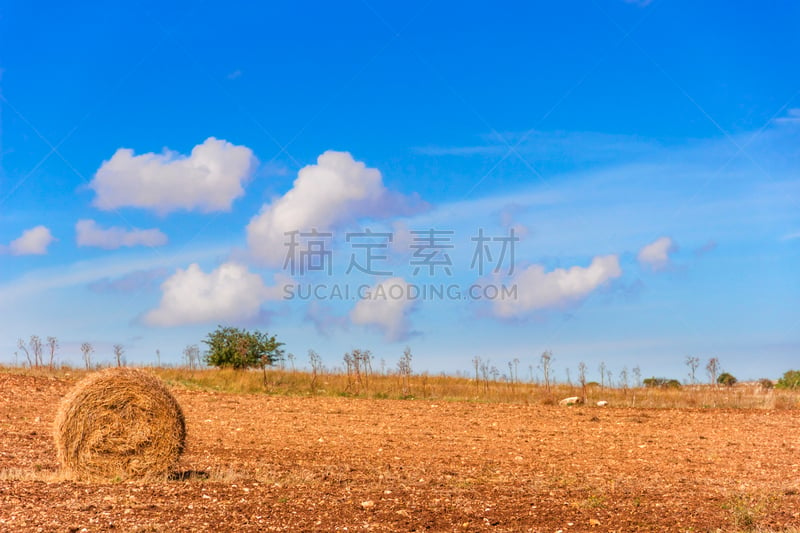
[282,463]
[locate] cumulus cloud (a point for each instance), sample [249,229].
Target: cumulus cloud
[335,191]
[88,233]
[208,180]
[226,294]
[33,241]
[537,289]
[656,254]
[386,307]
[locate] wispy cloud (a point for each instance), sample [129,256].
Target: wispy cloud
[89,233]
[558,145]
[86,272]
[139,280]
[792,117]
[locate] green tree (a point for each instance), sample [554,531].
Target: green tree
[239,349]
[789,380]
[727,379]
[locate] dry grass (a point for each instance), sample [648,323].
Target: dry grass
[451,388]
[119,424]
[287,382]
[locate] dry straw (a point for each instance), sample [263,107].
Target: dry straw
[119,424]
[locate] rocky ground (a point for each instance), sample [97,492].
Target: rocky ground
[263,463]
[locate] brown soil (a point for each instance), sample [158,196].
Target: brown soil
[260,463]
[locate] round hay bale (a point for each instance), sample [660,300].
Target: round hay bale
[119,424]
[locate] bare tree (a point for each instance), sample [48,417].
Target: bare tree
[692,363]
[290,357]
[637,376]
[35,344]
[191,354]
[316,368]
[602,374]
[359,367]
[52,348]
[404,369]
[713,370]
[21,345]
[582,378]
[623,377]
[476,362]
[87,350]
[119,353]
[545,363]
[485,374]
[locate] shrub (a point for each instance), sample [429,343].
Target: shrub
[727,379]
[789,380]
[240,349]
[765,383]
[662,383]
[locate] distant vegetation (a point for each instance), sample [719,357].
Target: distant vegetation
[790,380]
[236,352]
[663,383]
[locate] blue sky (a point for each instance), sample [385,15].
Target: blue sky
[645,153]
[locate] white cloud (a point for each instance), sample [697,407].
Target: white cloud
[209,179]
[33,241]
[656,254]
[88,233]
[385,306]
[228,293]
[336,190]
[537,289]
[791,236]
